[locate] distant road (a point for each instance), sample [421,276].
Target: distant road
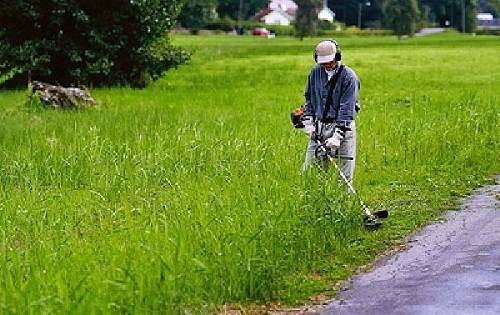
[429,31]
[450,268]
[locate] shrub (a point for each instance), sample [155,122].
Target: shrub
[488,32]
[251,24]
[282,30]
[354,31]
[90,42]
[225,24]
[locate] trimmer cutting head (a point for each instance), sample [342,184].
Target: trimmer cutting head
[375,219]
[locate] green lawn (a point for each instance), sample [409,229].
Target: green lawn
[188,194]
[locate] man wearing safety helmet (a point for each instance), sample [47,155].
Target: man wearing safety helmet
[331,104]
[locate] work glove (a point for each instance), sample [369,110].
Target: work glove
[334,141]
[309,128]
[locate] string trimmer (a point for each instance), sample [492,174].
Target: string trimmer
[371,219]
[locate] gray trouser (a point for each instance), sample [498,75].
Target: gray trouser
[347,149]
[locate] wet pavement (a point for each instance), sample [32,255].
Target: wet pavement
[449,268]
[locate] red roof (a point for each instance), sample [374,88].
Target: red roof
[262,13]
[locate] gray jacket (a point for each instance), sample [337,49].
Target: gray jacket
[345,96]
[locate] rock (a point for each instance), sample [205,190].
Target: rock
[60,97]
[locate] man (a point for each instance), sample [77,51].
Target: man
[330,110]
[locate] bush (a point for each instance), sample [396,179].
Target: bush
[251,24]
[225,24]
[88,42]
[488,32]
[325,25]
[282,30]
[354,31]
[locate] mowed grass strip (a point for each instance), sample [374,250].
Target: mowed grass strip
[187,195]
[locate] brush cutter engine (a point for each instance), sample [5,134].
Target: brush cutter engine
[296,117]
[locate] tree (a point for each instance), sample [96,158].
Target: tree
[470,16]
[230,8]
[306,19]
[88,41]
[489,6]
[494,5]
[372,14]
[452,11]
[196,14]
[401,16]
[347,11]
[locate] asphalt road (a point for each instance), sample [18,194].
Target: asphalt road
[430,31]
[450,268]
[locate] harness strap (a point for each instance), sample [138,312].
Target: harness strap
[329,99]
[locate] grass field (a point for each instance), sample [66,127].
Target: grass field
[187,195]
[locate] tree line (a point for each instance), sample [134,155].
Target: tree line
[95,42]
[403,16]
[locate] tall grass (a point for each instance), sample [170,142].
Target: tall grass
[188,195]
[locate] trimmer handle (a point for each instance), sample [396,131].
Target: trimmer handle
[323,152]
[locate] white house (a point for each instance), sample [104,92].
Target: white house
[326,14]
[282,12]
[277,17]
[288,6]
[485,17]
[278,12]
[487,21]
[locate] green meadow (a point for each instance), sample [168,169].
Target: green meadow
[187,195]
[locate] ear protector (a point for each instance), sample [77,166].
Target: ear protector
[338,54]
